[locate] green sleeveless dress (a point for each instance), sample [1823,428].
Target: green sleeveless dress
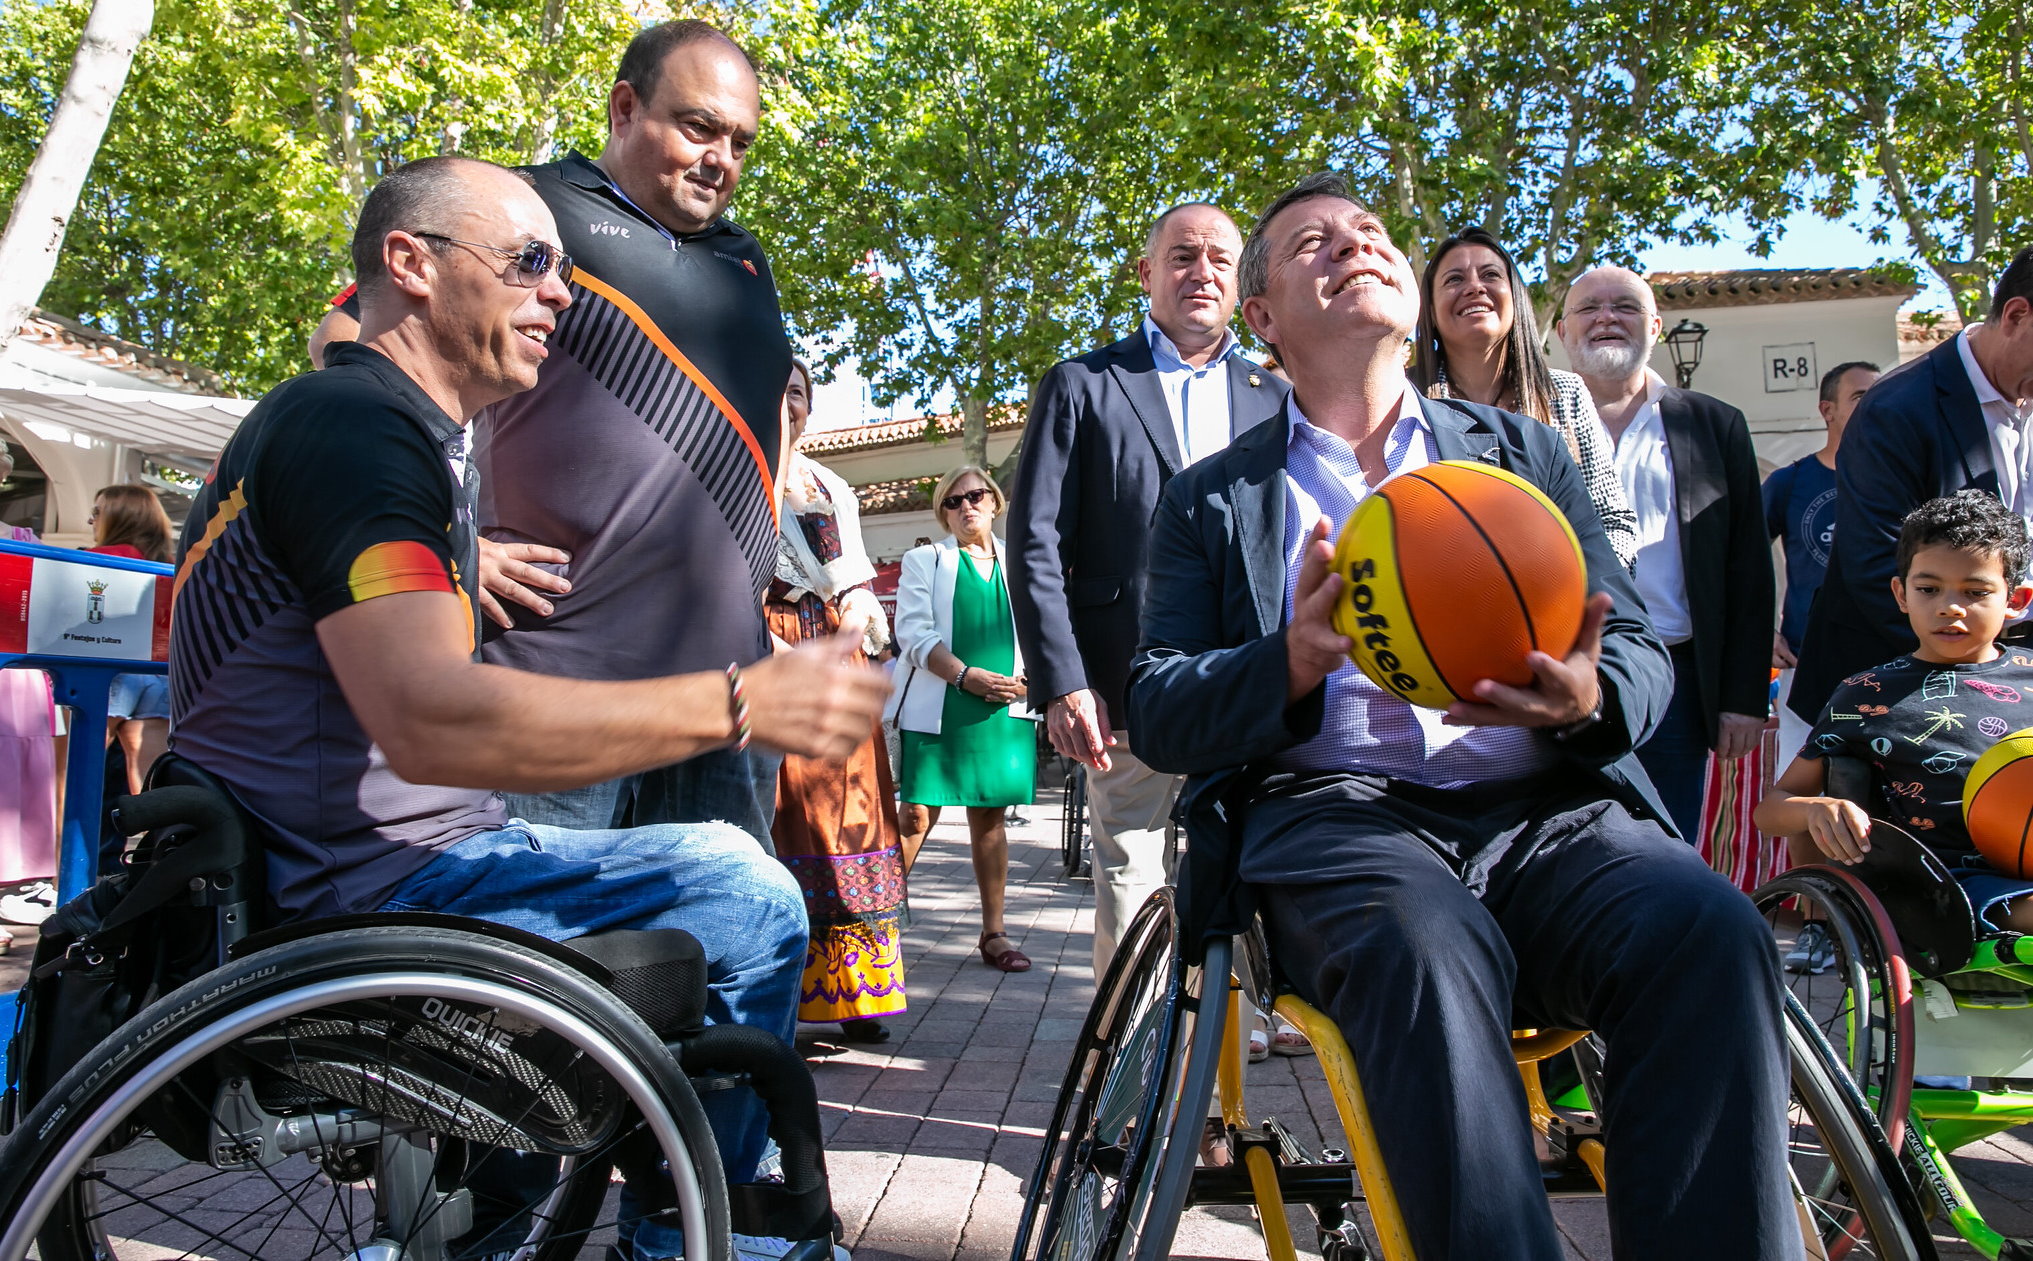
[982,755]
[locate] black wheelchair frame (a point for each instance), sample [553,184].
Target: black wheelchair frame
[434,1087]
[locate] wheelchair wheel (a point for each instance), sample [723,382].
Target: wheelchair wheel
[1854,1201]
[1073,830]
[390,1092]
[1861,999]
[1091,1193]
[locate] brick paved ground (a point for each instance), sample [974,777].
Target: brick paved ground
[932,1134]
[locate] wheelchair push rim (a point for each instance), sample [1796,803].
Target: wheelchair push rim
[1093,1180]
[575,1045]
[1862,1005]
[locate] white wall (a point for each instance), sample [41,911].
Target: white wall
[1741,342]
[888,536]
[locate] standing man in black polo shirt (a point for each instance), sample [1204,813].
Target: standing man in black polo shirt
[648,451]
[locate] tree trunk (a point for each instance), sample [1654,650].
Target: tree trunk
[49,195]
[974,431]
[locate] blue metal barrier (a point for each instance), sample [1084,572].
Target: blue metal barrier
[36,606]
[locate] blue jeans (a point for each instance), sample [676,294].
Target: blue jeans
[709,879]
[718,787]
[1675,758]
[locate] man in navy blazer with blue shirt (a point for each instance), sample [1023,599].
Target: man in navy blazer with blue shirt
[1433,881]
[1106,431]
[1925,430]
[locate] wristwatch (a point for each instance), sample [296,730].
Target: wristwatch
[1562,735]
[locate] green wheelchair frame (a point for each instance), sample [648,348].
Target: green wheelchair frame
[1121,1158]
[1903,929]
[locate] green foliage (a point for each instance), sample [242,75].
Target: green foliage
[942,186]
[217,217]
[954,191]
[1931,101]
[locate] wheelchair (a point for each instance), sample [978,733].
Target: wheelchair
[377,1087]
[1073,823]
[1163,1038]
[1919,986]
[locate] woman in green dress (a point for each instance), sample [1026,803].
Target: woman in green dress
[959,698]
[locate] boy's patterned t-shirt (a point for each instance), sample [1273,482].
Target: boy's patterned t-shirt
[1921,725]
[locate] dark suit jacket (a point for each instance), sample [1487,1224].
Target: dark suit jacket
[1918,435]
[1724,554]
[1207,697]
[1099,447]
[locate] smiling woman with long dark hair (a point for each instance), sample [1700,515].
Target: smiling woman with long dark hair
[1477,340]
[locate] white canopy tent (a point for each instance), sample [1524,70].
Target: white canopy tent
[75,431]
[189,428]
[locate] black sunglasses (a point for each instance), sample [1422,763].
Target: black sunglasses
[951,503]
[533,261]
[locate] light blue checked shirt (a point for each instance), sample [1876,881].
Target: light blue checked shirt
[1366,728]
[1196,397]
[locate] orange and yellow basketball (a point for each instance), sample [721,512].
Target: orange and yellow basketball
[1997,804]
[1454,572]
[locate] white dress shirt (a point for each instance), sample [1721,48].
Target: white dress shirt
[1197,397]
[1645,467]
[1366,728]
[2011,448]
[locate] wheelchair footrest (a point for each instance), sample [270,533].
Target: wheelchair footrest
[1318,1186]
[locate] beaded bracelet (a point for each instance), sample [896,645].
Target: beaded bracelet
[960,679]
[737,700]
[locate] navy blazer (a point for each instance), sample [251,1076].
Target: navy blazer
[1918,435]
[1725,555]
[1207,696]
[1099,447]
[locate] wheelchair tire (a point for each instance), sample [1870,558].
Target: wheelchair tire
[275,1107]
[1847,1180]
[1863,1002]
[1090,1193]
[1073,827]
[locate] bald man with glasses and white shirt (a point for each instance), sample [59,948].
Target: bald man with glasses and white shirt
[1704,563]
[1107,431]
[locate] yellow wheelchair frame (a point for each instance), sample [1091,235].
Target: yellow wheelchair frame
[1120,1162]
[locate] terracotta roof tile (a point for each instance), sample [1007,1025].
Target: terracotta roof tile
[1006,418]
[72,338]
[1702,290]
[906,494]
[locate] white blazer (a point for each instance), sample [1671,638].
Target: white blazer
[924,621]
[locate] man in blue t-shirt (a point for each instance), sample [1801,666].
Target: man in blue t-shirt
[1800,508]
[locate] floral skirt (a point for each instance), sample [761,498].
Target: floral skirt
[836,829]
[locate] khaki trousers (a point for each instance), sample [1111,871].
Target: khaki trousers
[1128,809]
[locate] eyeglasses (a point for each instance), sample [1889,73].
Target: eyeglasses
[533,261]
[951,503]
[1624,310]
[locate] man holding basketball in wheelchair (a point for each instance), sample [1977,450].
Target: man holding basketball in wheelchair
[1433,881]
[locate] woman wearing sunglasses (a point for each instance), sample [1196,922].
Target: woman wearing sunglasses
[959,698]
[1477,340]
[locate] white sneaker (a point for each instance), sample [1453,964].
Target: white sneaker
[777,1248]
[30,904]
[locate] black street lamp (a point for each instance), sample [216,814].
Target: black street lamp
[1684,344]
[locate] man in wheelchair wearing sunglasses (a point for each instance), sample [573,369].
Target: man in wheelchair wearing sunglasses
[1433,881]
[323,662]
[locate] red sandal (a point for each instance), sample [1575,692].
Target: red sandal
[1010,960]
